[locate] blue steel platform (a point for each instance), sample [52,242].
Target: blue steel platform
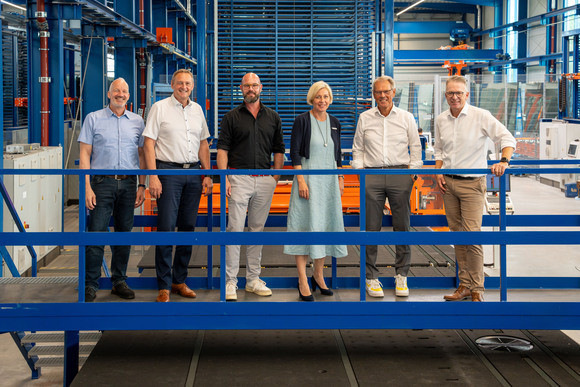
[360,314]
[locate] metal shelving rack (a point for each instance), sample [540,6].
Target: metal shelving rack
[292,44]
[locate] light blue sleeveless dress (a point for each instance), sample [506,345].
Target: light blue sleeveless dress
[323,210]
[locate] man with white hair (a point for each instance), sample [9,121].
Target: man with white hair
[386,137]
[111,138]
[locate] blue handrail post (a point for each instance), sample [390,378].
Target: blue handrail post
[82,229]
[223,178]
[334,274]
[502,246]
[210,247]
[71,356]
[362,227]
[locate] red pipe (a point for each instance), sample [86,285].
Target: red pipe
[189,40]
[44,78]
[142,64]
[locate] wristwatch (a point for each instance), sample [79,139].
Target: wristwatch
[504,160]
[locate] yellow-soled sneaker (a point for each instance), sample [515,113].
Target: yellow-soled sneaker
[374,288]
[401,289]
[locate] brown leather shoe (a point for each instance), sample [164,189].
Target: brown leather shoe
[477,296]
[460,294]
[182,290]
[163,296]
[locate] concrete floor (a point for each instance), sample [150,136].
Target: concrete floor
[528,196]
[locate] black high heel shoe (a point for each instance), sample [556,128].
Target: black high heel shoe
[326,292]
[303,297]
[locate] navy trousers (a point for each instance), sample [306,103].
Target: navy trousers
[116,198]
[177,207]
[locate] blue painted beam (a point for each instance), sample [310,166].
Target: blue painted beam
[442,55]
[429,27]
[289,315]
[543,18]
[440,7]
[542,60]
[487,3]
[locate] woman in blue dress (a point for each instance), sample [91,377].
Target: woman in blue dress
[315,204]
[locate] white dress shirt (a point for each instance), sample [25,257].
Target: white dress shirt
[381,141]
[177,130]
[462,142]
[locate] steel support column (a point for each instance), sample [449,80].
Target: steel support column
[94,56]
[389,28]
[1,132]
[498,21]
[71,356]
[522,38]
[126,67]
[201,47]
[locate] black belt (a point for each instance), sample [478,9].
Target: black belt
[118,177]
[402,166]
[459,177]
[178,165]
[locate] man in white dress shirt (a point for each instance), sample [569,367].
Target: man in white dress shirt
[176,138]
[387,137]
[461,137]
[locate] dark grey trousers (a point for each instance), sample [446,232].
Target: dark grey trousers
[398,189]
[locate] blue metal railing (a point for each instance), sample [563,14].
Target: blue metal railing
[218,315]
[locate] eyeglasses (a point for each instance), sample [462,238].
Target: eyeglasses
[454,93]
[253,85]
[379,92]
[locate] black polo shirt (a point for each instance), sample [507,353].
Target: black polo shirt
[251,141]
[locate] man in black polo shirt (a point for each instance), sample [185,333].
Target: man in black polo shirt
[249,134]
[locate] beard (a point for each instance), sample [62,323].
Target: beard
[251,99]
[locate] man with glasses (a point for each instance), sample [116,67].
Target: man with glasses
[176,138]
[249,134]
[387,138]
[461,137]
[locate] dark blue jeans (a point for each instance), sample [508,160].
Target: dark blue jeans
[177,206]
[116,198]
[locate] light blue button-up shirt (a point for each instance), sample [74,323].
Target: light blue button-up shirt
[115,140]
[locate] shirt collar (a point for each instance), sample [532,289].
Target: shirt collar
[176,102]
[378,113]
[463,111]
[112,113]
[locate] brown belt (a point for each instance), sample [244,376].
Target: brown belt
[118,177]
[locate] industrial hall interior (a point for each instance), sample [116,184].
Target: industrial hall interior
[290,193]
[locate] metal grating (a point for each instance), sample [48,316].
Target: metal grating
[38,280]
[58,337]
[292,44]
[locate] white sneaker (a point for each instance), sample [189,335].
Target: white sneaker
[401,289]
[374,288]
[231,288]
[258,287]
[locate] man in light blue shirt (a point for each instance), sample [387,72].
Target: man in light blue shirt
[111,138]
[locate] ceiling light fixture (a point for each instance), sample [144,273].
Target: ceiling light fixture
[13,5]
[409,7]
